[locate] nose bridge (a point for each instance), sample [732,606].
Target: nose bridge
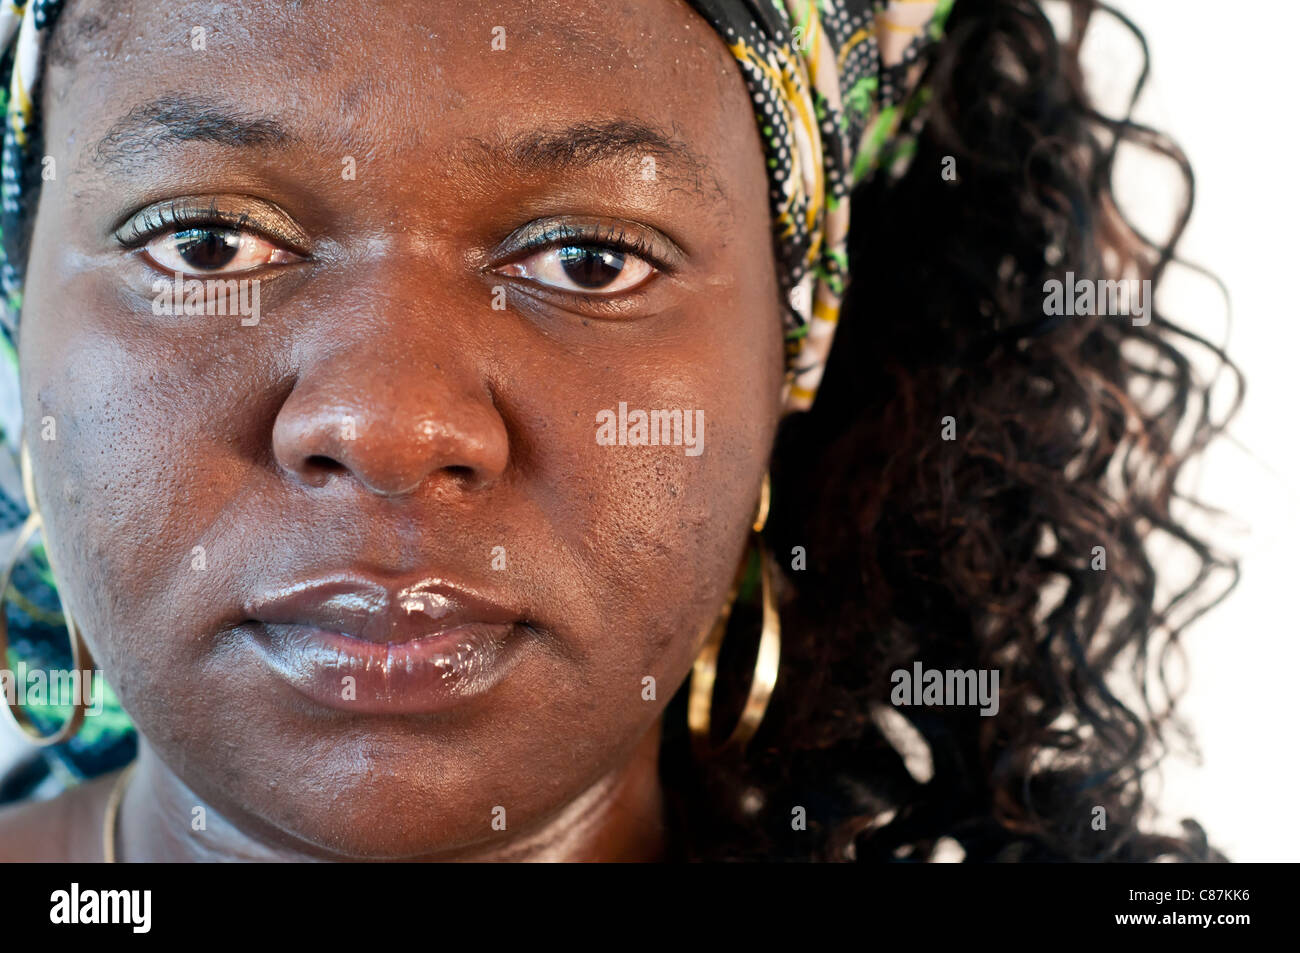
[394,392]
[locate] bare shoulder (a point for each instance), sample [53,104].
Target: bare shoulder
[64,828]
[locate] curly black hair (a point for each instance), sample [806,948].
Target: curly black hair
[979,552]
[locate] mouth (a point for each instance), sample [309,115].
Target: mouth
[358,645]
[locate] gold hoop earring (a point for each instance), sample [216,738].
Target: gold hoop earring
[20,719]
[704,673]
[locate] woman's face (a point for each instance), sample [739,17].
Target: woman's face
[399,434]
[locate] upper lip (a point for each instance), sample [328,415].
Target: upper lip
[377,611]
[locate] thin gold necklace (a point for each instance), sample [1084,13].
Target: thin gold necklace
[111,812]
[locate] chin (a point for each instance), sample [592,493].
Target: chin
[399,796]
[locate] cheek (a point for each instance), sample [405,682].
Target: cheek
[652,450]
[670,454]
[130,486]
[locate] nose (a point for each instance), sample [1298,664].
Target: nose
[392,421]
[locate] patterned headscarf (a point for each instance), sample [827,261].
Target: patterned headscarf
[833,88]
[832,84]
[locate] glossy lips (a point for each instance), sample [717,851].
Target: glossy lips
[357,645]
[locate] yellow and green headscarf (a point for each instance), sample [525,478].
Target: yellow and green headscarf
[832,82]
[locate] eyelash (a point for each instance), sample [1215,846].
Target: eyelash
[615,239]
[163,219]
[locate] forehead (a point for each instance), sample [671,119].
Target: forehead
[402,73]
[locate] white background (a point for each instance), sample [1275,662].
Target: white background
[1224,78]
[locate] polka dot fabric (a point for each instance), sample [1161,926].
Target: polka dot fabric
[832,84]
[23,31]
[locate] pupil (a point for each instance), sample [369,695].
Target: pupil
[206,248]
[591,267]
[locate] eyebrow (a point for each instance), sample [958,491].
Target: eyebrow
[588,143]
[137,136]
[134,140]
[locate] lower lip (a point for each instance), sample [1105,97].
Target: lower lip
[424,675]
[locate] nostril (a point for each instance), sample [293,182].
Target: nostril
[463,475]
[318,462]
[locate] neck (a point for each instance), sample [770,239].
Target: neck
[618,818]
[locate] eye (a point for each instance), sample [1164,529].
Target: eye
[215,250]
[586,269]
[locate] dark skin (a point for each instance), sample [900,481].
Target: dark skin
[474,426]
